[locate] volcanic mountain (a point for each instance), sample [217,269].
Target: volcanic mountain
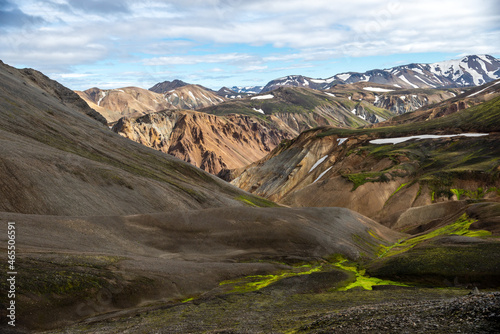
[473,70]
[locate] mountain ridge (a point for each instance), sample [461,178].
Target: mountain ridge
[472,70]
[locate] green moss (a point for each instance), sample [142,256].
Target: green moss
[361,278]
[257,282]
[459,227]
[399,188]
[457,192]
[358,179]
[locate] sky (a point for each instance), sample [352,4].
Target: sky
[215,43]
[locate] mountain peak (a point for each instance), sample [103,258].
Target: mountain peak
[165,86]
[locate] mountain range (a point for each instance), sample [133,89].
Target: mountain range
[468,71]
[357,207]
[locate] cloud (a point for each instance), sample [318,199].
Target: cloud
[100,6]
[12,16]
[241,36]
[230,58]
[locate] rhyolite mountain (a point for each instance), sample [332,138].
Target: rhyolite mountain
[192,97]
[473,70]
[295,109]
[114,104]
[211,142]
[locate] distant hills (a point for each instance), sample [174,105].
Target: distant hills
[472,70]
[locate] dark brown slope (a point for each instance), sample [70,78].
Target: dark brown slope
[82,266]
[54,159]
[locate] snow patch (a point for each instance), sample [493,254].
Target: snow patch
[402,77]
[344,76]
[341,141]
[398,86]
[103,95]
[317,163]
[262,97]
[321,175]
[402,97]
[333,95]
[329,80]
[259,110]
[398,140]
[419,78]
[378,89]
[482,90]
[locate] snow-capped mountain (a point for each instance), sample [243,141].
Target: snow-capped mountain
[229,93]
[468,71]
[299,81]
[247,89]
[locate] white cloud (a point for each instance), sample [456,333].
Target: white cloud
[159,33]
[231,58]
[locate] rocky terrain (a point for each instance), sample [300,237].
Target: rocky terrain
[213,143]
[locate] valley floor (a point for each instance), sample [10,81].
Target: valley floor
[277,309]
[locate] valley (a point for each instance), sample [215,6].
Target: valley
[349,204]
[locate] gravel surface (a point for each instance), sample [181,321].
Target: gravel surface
[474,313]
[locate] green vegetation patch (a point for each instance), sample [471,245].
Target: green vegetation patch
[361,278]
[358,179]
[445,265]
[257,282]
[459,227]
